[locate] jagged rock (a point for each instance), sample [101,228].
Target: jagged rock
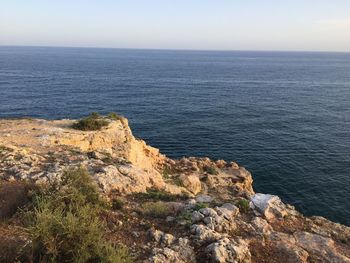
[204,234]
[227,210]
[172,249]
[228,179]
[261,226]
[294,254]
[228,250]
[323,247]
[204,199]
[197,217]
[218,219]
[191,182]
[270,206]
[128,179]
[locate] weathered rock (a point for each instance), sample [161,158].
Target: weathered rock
[261,226]
[323,247]
[270,206]
[128,179]
[204,234]
[294,254]
[228,250]
[227,210]
[191,182]
[172,249]
[204,199]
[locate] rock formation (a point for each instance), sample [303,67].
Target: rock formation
[187,210]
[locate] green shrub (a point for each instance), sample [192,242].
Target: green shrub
[166,173]
[93,122]
[65,225]
[114,116]
[156,209]
[210,170]
[77,187]
[243,205]
[117,204]
[156,194]
[75,234]
[185,216]
[200,206]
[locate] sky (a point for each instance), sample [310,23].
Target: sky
[299,25]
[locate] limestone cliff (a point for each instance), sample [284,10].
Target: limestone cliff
[212,215]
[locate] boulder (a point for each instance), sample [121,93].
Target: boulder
[228,211]
[323,247]
[128,179]
[191,183]
[204,234]
[170,249]
[261,226]
[204,199]
[270,206]
[228,250]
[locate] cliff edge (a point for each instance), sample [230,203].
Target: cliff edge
[186,210]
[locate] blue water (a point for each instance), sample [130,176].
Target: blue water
[284,116]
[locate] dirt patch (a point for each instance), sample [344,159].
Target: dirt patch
[12,196]
[14,245]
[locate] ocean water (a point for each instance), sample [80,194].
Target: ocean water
[285,116]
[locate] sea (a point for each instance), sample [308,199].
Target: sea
[285,116]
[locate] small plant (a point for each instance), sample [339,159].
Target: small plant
[210,170]
[177,181]
[114,116]
[65,223]
[156,209]
[166,173]
[185,216]
[117,204]
[200,206]
[243,205]
[93,122]
[77,186]
[158,195]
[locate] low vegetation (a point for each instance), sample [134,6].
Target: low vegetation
[156,209]
[159,195]
[117,204]
[210,170]
[114,116]
[65,225]
[243,205]
[200,206]
[95,121]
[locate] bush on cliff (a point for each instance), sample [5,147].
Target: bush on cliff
[210,170]
[65,225]
[114,116]
[93,122]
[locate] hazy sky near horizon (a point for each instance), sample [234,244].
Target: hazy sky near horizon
[314,25]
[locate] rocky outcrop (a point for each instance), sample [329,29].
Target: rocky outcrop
[270,206]
[170,249]
[190,210]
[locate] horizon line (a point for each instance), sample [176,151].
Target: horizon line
[179,49]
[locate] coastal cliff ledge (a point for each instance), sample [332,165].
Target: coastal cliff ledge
[163,210]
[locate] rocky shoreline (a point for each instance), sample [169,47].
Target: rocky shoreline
[186,210]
